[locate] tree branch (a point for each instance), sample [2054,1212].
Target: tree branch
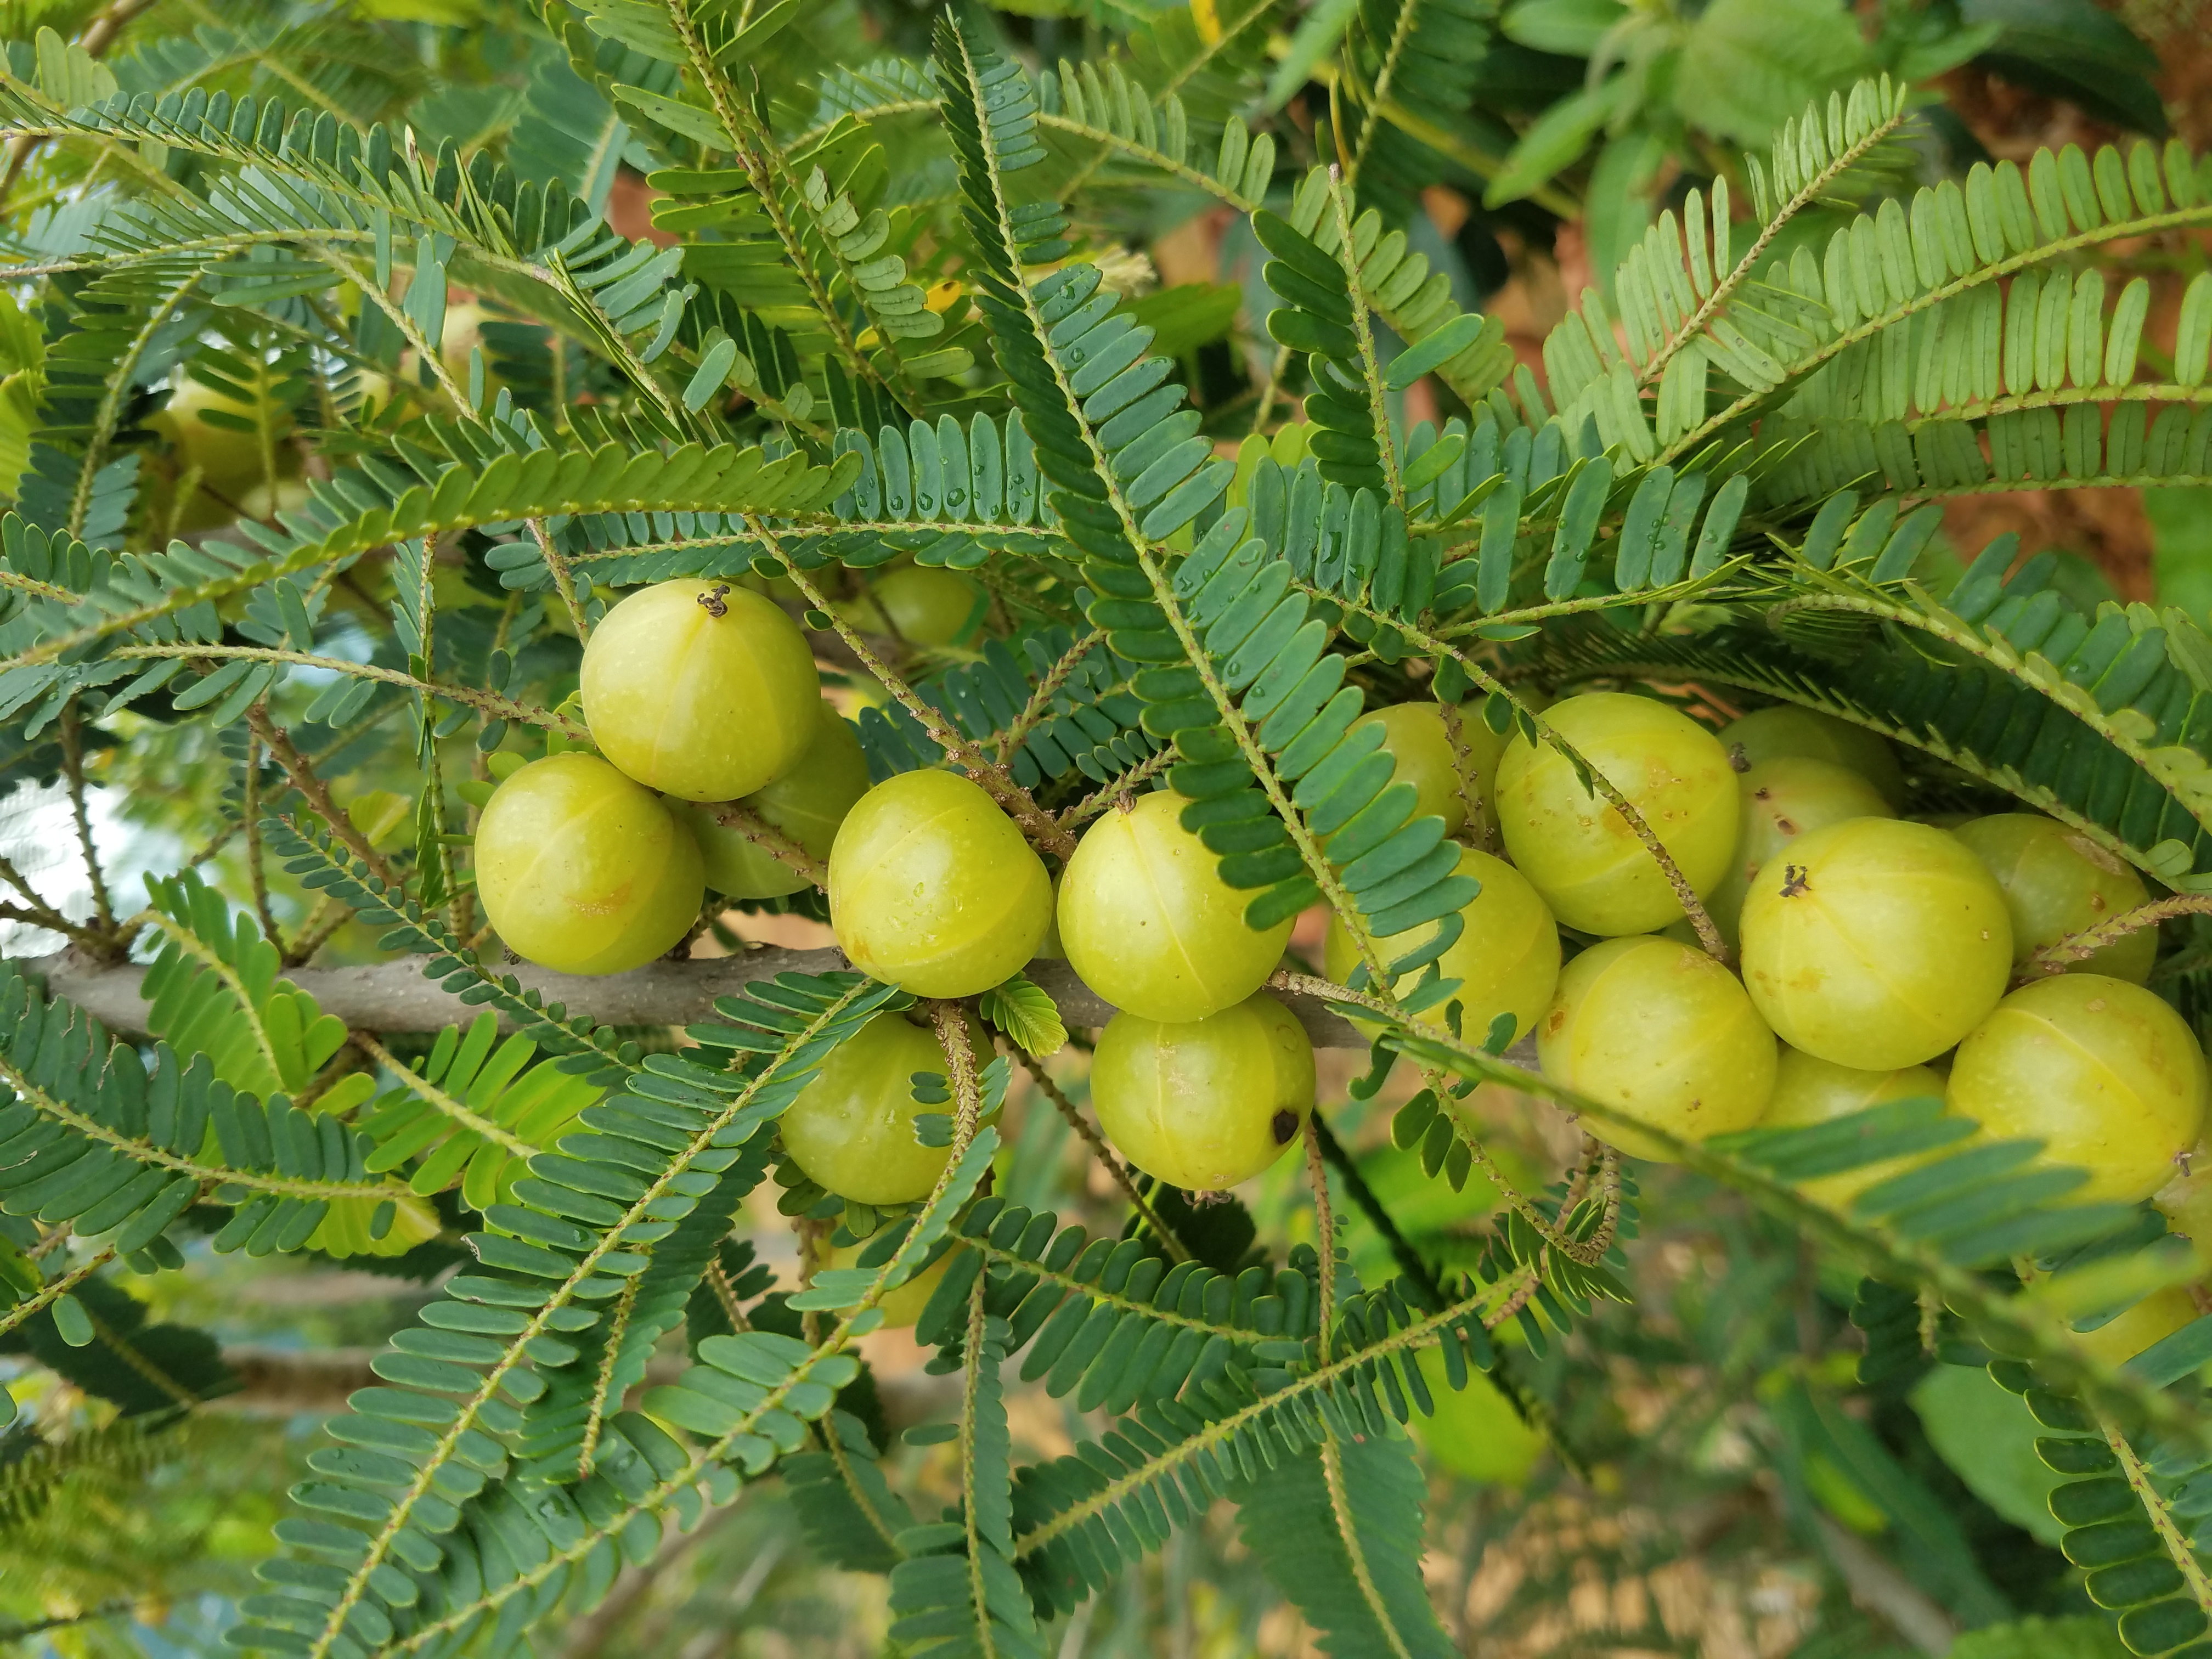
[394,996]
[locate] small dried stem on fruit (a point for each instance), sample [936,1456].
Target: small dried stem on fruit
[1796,880]
[712,603]
[736,815]
[1042,829]
[1088,1133]
[2076,947]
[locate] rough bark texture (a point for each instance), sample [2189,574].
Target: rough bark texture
[394,996]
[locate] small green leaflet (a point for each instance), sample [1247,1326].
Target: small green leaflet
[1029,1018]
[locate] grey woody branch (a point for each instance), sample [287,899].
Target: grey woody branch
[395,996]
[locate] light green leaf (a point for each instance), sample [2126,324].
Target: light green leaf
[1317,37]
[1749,65]
[1558,137]
[1988,1438]
[1027,1015]
[685,120]
[1571,29]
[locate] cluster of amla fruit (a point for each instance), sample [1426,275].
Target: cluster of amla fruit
[703,696]
[1870,945]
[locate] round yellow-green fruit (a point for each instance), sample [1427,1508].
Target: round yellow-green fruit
[852,1128]
[933,889]
[2145,1324]
[1809,1091]
[1782,799]
[584,872]
[925,605]
[2105,1073]
[1421,755]
[1578,851]
[1147,922]
[1768,734]
[701,690]
[1665,1036]
[807,804]
[2058,883]
[229,460]
[1875,943]
[1203,1104]
[1476,1432]
[1506,958]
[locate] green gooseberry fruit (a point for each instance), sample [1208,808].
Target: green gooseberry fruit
[1875,943]
[2144,1325]
[1206,1103]
[1476,1432]
[219,435]
[1809,1091]
[806,804]
[584,872]
[1421,755]
[1766,734]
[1506,959]
[703,690]
[1578,851]
[926,605]
[852,1128]
[2057,883]
[933,889]
[1783,799]
[2105,1074]
[1664,1035]
[1147,922]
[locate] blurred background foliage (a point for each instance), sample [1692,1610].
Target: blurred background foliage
[1711,1480]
